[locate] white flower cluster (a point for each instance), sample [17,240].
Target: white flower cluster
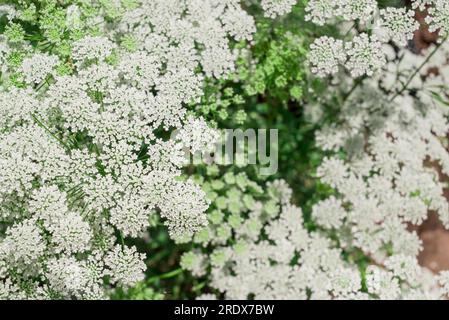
[321,11]
[395,148]
[92,48]
[205,23]
[421,4]
[362,10]
[327,55]
[390,179]
[366,55]
[438,18]
[266,236]
[319,273]
[252,237]
[398,24]
[37,67]
[83,158]
[361,56]
[275,8]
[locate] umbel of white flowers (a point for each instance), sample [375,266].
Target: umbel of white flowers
[81,164]
[389,128]
[266,235]
[363,54]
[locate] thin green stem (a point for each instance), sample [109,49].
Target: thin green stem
[356,84]
[405,86]
[122,240]
[39,123]
[199,286]
[349,31]
[167,275]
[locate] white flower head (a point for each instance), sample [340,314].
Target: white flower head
[92,48]
[37,67]
[438,17]
[399,24]
[325,56]
[275,8]
[329,213]
[366,55]
[319,11]
[421,4]
[362,10]
[125,265]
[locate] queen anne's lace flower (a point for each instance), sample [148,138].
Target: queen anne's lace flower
[125,265]
[92,48]
[73,278]
[70,234]
[140,69]
[36,68]
[384,182]
[83,157]
[239,24]
[382,283]
[85,163]
[238,272]
[267,235]
[325,56]
[23,243]
[362,10]
[329,213]
[438,18]
[421,4]
[405,268]
[197,136]
[195,263]
[274,8]
[399,23]
[344,282]
[366,55]
[363,55]
[319,11]
[73,19]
